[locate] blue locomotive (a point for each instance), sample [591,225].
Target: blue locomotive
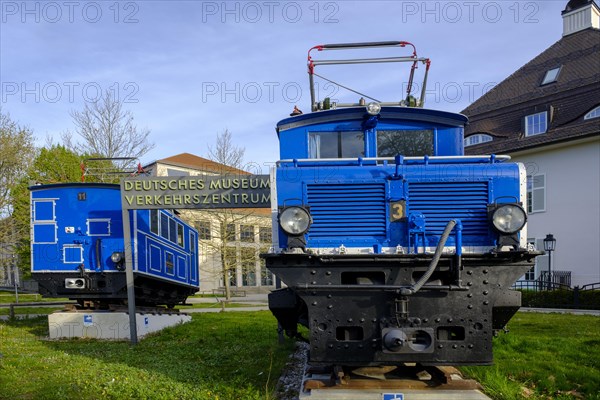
[77,248]
[394,246]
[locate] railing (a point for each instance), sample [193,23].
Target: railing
[544,294]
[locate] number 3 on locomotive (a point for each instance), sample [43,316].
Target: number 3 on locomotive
[397,210]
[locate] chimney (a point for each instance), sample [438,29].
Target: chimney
[579,15]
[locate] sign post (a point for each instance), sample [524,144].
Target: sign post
[193,192]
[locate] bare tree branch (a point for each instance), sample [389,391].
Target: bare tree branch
[225,152]
[107,130]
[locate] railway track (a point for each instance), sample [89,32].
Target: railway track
[408,382]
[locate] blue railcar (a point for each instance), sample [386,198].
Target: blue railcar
[77,247]
[394,246]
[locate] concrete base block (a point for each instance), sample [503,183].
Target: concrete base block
[108,325]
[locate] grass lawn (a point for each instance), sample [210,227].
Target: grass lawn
[6,297]
[545,356]
[235,355]
[216,356]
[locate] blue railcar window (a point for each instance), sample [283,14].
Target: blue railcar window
[164,226]
[98,227]
[73,254]
[172,230]
[44,233]
[170,262]
[43,210]
[336,144]
[154,221]
[408,143]
[180,234]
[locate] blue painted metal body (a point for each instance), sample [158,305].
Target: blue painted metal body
[76,227]
[352,199]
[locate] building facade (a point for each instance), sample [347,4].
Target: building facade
[547,116]
[230,240]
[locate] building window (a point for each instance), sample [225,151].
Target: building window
[536,124]
[595,113]
[265,234]
[248,263]
[247,233]
[550,76]
[530,275]
[477,139]
[231,265]
[336,144]
[230,233]
[536,193]
[177,172]
[266,276]
[203,228]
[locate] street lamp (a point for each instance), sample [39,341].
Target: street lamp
[549,246]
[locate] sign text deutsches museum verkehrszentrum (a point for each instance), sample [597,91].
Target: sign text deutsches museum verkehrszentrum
[235,191]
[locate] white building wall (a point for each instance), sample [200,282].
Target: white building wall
[572,207]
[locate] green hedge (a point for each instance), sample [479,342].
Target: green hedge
[589,299]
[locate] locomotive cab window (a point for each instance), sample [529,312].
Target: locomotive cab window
[404,142]
[336,144]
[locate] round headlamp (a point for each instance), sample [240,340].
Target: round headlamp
[509,218]
[294,220]
[373,108]
[116,257]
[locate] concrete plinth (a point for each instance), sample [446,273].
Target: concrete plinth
[365,394]
[108,324]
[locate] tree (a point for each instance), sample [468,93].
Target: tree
[16,154]
[222,244]
[55,164]
[225,152]
[107,130]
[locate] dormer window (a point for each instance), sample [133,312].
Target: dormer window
[595,113]
[551,76]
[477,139]
[536,124]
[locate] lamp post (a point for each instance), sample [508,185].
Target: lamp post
[549,246]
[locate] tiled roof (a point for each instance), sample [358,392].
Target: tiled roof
[500,112]
[187,160]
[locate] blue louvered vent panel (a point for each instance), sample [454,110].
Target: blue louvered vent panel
[347,210]
[442,201]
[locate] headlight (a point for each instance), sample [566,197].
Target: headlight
[373,108]
[116,257]
[509,218]
[294,220]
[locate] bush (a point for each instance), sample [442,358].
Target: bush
[562,298]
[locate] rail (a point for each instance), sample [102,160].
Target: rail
[425,160]
[11,306]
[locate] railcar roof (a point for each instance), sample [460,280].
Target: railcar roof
[75,184]
[358,113]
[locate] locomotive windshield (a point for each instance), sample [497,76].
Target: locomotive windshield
[405,142]
[336,144]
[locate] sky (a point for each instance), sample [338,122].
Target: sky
[188,70]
